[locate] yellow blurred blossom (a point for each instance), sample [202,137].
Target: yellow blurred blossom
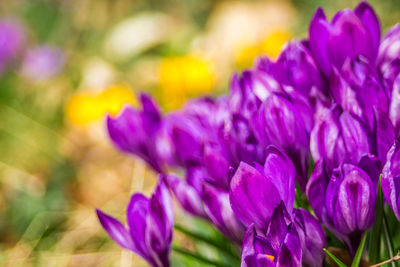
[271,45]
[182,77]
[87,106]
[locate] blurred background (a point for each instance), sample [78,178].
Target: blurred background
[65,64]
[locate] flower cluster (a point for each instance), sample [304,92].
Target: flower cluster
[333,98]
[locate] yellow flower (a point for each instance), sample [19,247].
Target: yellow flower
[183,77]
[274,42]
[271,46]
[86,107]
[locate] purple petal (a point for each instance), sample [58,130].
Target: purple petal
[136,214]
[290,251]
[280,169]
[316,188]
[391,178]
[255,248]
[277,228]
[385,135]
[218,209]
[217,166]
[319,32]
[116,230]
[353,37]
[186,195]
[394,111]
[371,22]
[253,197]
[312,238]
[158,232]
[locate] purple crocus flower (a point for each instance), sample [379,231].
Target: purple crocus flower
[250,90]
[150,223]
[297,68]
[394,110]
[279,246]
[219,211]
[357,89]
[140,132]
[255,192]
[12,37]
[188,197]
[286,123]
[350,34]
[390,178]
[43,62]
[340,136]
[295,240]
[344,201]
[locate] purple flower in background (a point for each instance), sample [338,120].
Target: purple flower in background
[338,136]
[255,192]
[43,62]
[391,178]
[394,110]
[219,210]
[286,123]
[12,37]
[350,34]
[388,59]
[150,223]
[344,201]
[357,89]
[187,195]
[140,132]
[297,68]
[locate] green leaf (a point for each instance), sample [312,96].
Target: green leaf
[388,240]
[375,236]
[360,250]
[198,257]
[335,259]
[223,247]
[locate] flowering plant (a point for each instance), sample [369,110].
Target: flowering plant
[288,161]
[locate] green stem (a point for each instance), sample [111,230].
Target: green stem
[224,247]
[375,237]
[198,257]
[388,241]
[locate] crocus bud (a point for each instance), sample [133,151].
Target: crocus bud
[283,123]
[239,142]
[338,136]
[136,131]
[219,211]
[280,246]
[356,88]
[390,178]
[250,90]
[255,193]
[312,238]
[350,34]
[187,196]
[296,67]
[150,223]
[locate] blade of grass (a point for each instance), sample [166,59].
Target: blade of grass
[198,257]
[334,258]
[374,246]
[360,250]
[388,240]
